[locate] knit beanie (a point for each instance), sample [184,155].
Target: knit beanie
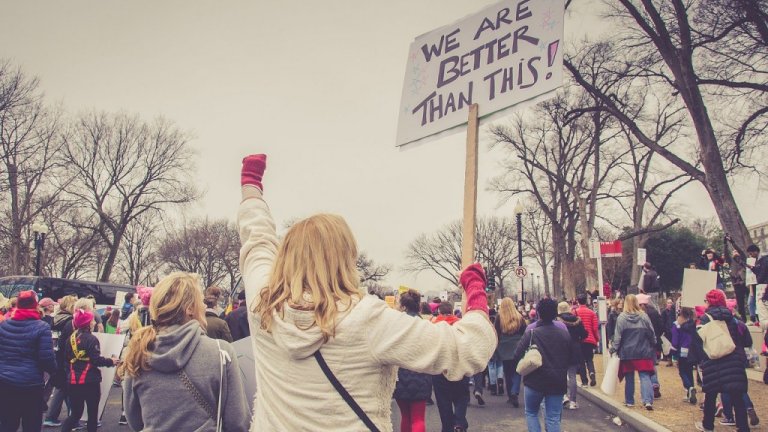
[82,318]
[27,300]
[547,309]
[145,294]
[716,297]
[563,307]
[643,299]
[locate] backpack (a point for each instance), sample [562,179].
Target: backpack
[717,339]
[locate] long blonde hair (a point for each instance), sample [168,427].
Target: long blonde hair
[177,299]
[509,317]
[631,304]
[318,257]
[67,303]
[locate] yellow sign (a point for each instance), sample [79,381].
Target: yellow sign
[403,289]
[390,300]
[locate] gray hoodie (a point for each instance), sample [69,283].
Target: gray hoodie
[633,338]
[158,400]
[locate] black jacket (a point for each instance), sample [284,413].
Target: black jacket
[84,371]
[577,332]
[554,344]
[62,323]
[412,386]
[507,341]
[237,321]
[668,318]
[610,326]
[658,325]
[760,270]
[726,374]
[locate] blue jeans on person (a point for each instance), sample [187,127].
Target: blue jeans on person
[58,397]
[495,371]
[451,398]
[685,369]
[646,388]
[655,378]
[725,398]
[752,301]
[553,410]
[512,379]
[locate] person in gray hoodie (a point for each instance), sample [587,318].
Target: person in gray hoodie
[172,380]
[634,341]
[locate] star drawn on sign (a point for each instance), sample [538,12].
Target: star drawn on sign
[419,78]
[548,23]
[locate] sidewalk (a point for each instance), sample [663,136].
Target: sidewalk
[670,412]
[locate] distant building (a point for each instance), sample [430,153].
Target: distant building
[759,234]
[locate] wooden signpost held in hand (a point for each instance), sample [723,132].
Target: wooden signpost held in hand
[470,196]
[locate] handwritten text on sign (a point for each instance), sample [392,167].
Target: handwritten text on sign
[505,54]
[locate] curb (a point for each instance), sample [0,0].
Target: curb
[639,422]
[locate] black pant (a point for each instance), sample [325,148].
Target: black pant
[79,395]
[587,354]
[741,299]
[739,408]
[452,398]
[21,406]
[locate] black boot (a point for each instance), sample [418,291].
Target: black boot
[493,388]
[500,384]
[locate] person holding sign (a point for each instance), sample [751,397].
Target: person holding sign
[326,353]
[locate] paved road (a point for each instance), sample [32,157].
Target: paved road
[496,415]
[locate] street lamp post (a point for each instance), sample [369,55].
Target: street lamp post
[519,219]
[40,229]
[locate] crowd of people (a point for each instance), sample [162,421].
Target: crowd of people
[322,346]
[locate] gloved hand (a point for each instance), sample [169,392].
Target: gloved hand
[253,170]
[473,281]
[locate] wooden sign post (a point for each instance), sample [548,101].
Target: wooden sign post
[470,196]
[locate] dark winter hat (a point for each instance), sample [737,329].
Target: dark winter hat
[27,300]
[716,297]
[547,309]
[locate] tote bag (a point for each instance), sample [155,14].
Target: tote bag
[531,360]
[717,339]
[611,378]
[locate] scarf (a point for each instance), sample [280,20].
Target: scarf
[25,314]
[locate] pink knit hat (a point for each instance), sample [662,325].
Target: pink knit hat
[82,318]
[145,294]
[643,299]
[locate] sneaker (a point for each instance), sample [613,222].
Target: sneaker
[700,427]
[649,406]
[124,421]
[592,380]
[573,405]
[656,391]
[728,422]
[629,405]
[565,400]
[719,411]
[51,423]
[753,419]
[513,400]
[692,396]
[459,429]
[479,398]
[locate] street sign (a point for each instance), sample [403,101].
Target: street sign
[521,272]
[641,256]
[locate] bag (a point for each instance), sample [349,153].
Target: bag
[224,358]
[344,393]
[531,360]
[611,378]
[666,345]
[717,339]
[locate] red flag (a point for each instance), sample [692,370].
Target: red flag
[610,249]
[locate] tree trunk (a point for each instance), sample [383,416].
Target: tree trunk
[109,264]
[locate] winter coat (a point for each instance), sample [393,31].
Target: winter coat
[634,338]
[577,332]
[507,341]
[62,323]
[217,328]
[557,354]
[237,321]
[726,374]
[84,371]
[649,281]
[684,336]
[610,326]
[412,386]
[159,399]
[26,351]
[657,323]
[372,340]
[760,270]
[668,318]
[589,318]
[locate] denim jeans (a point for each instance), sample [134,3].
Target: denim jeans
[553,409]
[495,370]
[655,378]
[479,382]
[572,384]
[646,387]
[58,397]
[512,379]
[452,398]
[685,368]
[751,303]
[728,404]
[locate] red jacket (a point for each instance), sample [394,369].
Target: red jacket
[450,319]
[590,321]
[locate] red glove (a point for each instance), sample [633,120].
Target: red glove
[473,281]
[253,170]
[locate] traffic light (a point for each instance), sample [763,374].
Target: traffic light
[491,286]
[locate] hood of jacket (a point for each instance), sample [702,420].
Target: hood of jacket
[720,313]
[450,319]
[174,346]
[633,318]
[569,319]
[61,318]
[296,333]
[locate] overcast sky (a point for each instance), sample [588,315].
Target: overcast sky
[314,84]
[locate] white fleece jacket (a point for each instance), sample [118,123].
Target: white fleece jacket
[372,341]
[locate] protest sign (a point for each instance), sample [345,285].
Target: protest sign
[110,346]
[696,284]
[506,54]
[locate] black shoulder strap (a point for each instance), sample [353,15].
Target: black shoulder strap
[344,393]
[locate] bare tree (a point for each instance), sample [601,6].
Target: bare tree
[370,272]
[29,159]
[208,248]
[139,263]
[537,238]
[125,167]
[72,242]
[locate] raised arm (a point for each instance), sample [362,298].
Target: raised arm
[257,229]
